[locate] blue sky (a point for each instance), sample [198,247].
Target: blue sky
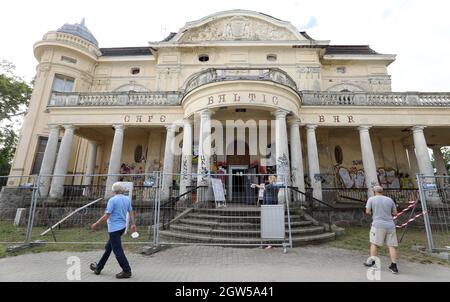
[417,31]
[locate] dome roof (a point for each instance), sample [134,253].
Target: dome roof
[79,30]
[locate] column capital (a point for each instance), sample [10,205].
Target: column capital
[118,127]
[311,127]
[187,121]
[417,128]
[280,114]
[54,127]
[294,122]
[364,127]
[206,113]
[172,128]
[69,127]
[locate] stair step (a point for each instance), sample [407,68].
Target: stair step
[313,239]
[234,217]
[232,211]
[229,225]
[255,232]
[296,240]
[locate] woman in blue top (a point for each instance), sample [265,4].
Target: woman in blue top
[270,195]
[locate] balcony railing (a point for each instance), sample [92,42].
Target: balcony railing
[91,99]
[331,98]
[213,75]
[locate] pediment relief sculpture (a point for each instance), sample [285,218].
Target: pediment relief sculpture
[238,28]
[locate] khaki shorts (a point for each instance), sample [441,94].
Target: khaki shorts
[379,236]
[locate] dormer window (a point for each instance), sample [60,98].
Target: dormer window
[68,60]
[271,57]
[341,70]
[203,58]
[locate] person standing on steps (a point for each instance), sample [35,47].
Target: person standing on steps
[270,193]
[382,209]
[116,216]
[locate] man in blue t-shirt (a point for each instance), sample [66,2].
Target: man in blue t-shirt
[116,216]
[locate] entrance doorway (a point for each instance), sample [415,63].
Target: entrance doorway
[236,183]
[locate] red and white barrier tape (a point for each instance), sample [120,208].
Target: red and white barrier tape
[410,220]
[411,205]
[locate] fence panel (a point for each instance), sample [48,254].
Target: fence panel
[224,210]
[435,199]
[16,198]
[66,216]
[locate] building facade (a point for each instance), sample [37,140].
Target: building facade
[322,114]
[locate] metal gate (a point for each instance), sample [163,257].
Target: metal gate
[434,193]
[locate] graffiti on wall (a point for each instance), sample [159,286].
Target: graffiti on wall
[355,178]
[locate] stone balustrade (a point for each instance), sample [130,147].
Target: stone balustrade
[213,75]
[309,97]
[332,98]
[92,99]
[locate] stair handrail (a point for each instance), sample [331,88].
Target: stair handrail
[311,200]
[171,204]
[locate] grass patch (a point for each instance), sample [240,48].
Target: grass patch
[357,238]
[67,239]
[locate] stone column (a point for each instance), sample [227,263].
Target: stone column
[62,162]
[412,162]
[313,162]
[186,157]
[298,175]
[423,157]
[424,163]
[441,168]
[91,159]
[281,153]
[168,161]
[281,146]
[204,155]
[370,168]
[48,162]
[204,148]
[115,158]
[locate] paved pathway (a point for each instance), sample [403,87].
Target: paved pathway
[200,263]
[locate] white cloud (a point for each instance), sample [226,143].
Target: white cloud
[417,31]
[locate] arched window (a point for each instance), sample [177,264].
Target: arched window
[138,154]
[338,155]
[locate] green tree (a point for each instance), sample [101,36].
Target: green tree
[15,94]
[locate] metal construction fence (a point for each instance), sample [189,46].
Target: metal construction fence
[359,195]
[434,192]
[16,195]
[31,210]
[239,209]
[236,209]
[226,209]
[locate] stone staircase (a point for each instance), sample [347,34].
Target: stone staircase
[228,226]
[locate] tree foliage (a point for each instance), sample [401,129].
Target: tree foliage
[446,155]
[15,94]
